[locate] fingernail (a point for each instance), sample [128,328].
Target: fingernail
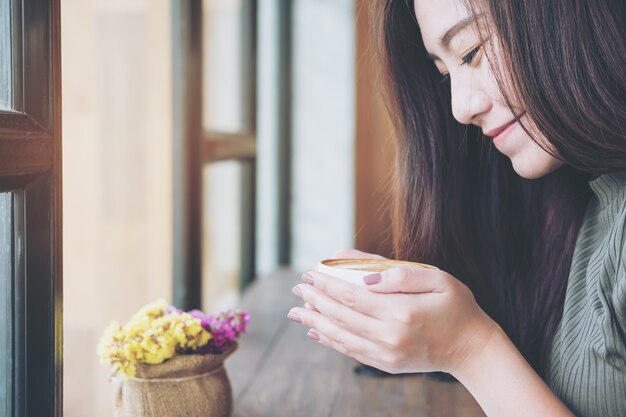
[307,278]
[312,334]
[297,291]
[294,317]
[372,279]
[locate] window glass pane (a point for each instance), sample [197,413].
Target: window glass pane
[6,59]
[117,180]
[222,65]
[6,278]
[221,240]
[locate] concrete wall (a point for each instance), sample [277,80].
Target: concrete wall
[323,129]
[267,137]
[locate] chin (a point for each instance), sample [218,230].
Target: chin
[532,169]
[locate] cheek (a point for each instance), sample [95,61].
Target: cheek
[498,78]
[532,161]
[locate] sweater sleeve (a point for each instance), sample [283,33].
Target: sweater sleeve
[619,292]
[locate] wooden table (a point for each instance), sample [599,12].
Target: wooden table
[277,371]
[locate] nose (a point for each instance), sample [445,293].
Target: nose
[469,100]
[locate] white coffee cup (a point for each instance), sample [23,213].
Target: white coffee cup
[353,270]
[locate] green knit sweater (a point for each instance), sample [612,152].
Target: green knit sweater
[588,361]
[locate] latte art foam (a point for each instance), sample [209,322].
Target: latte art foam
[373,265]
[359,267]
[353,270]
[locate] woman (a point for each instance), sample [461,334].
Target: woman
[511,122]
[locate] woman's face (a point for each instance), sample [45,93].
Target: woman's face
[457,50]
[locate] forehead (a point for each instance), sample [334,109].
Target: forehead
[435,17]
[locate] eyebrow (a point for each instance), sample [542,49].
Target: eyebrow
[452,32]
[455,29]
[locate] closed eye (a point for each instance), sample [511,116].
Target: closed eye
[469,57]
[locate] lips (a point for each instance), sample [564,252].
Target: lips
[495,132]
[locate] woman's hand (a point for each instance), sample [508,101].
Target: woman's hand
[420,320]
[405,320]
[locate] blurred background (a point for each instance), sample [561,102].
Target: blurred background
[207,144]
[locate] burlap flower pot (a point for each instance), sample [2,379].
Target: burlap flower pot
[184,386]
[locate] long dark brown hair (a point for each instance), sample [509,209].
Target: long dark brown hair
[458,202]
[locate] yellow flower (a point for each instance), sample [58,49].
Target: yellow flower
[151,336]
[152,310]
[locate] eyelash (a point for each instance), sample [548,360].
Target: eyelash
[469,57]
[465,59]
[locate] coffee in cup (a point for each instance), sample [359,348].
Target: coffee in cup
[353,270]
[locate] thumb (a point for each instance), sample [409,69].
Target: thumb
[410,280]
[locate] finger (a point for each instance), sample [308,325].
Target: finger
[407,280]
[328,342]
[334,336]
[355,322]
[356,297]
[349,253]
[309,307]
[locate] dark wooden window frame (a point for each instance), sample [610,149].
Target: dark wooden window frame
[285,36]
[30,169]
[194,147]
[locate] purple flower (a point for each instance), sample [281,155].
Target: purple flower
[225,329]
[173,309]
[196,314]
